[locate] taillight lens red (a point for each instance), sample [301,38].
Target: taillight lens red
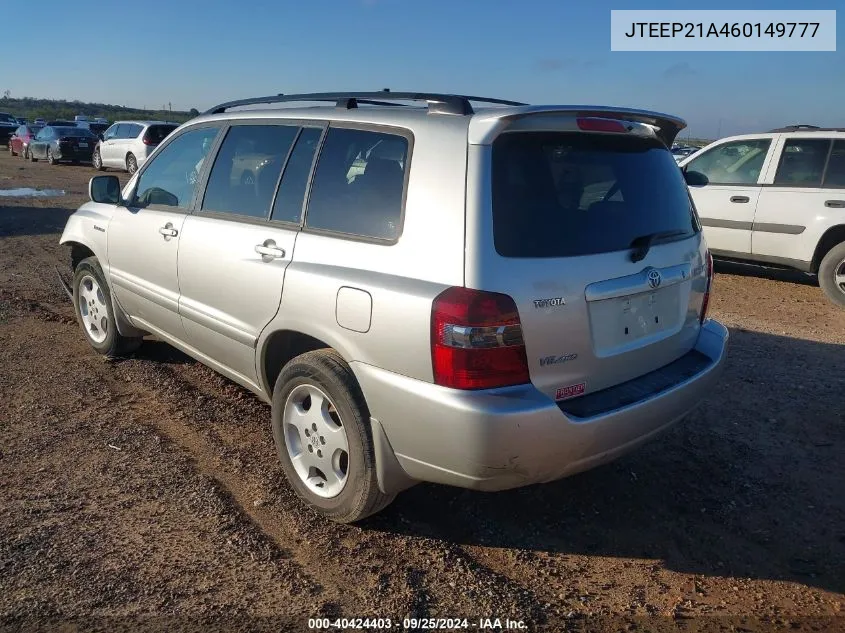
[147,141]
[476,340]
[706,302]
[600,125]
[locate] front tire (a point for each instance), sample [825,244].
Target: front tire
[832,274]
[322,434]
[131,164]
[11,149]
[31,156]
[50,158]
[93,306]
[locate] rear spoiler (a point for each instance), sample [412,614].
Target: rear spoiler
[485,126]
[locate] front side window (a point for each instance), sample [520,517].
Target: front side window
[835,174]
[359,184]
[111,132]
[802,162]
[170,179]
[246,170]
[733,163]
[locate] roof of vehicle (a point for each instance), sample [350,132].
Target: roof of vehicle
[386,108]
[137,122]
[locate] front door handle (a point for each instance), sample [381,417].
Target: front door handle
[740,198]
[835,204]
[168,231]
[268,250]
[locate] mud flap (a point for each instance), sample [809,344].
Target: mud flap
[392,478]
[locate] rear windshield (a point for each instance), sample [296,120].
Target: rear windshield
[72,131]
[157,133]
[562,194]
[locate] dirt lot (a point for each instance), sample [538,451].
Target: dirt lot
[145,494]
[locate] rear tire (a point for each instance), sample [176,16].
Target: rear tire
[97,160]
[93,306]
[325,372]
[131,164]
[832,274]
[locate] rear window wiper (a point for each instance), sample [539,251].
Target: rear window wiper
[642,244]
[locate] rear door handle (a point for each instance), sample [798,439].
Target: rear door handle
[835,204]
[740,198]
[168,231]
[269,250]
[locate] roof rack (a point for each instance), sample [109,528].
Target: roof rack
[437,103]
[807,128]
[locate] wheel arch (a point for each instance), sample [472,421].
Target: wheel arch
[833,236]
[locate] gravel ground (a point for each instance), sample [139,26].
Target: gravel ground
[145,494]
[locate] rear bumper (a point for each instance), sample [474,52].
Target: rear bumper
[507,438]
[63,153]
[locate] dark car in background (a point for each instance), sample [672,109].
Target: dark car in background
[8,125]
[62,143]
[20,140]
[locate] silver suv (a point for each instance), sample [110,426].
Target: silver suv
[423,289]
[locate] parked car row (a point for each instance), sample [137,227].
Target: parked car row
[123,145]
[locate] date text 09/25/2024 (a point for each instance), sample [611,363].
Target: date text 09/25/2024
[433,624]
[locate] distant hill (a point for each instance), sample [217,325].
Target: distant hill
[32,108]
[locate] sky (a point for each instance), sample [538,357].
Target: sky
[197,54]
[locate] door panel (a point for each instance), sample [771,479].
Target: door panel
[791,209]
[726,205]
[232,259]
[229,291]
[144,236]
[142,265]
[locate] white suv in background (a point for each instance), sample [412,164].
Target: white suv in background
[776,199]
[127,144]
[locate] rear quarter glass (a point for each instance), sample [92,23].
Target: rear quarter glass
[565,194]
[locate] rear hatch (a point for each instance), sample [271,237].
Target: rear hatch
[76,141]
[155,134]
[596,239]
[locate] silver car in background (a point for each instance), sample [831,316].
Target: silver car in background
[425,287]
[126,145]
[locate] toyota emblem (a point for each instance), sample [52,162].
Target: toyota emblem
[654,278]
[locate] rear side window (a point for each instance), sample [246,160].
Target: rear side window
[132,130]
[288,205]
[563,194]
[155,134]
[359,184]
[802,162]
[246,170]
[835,174]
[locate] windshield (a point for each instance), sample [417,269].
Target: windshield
[561,194]
[7,118]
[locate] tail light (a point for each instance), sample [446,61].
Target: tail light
[706,302]
[476,340]
[148,141]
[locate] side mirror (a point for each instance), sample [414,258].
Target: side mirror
[104,189]
[695,178]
